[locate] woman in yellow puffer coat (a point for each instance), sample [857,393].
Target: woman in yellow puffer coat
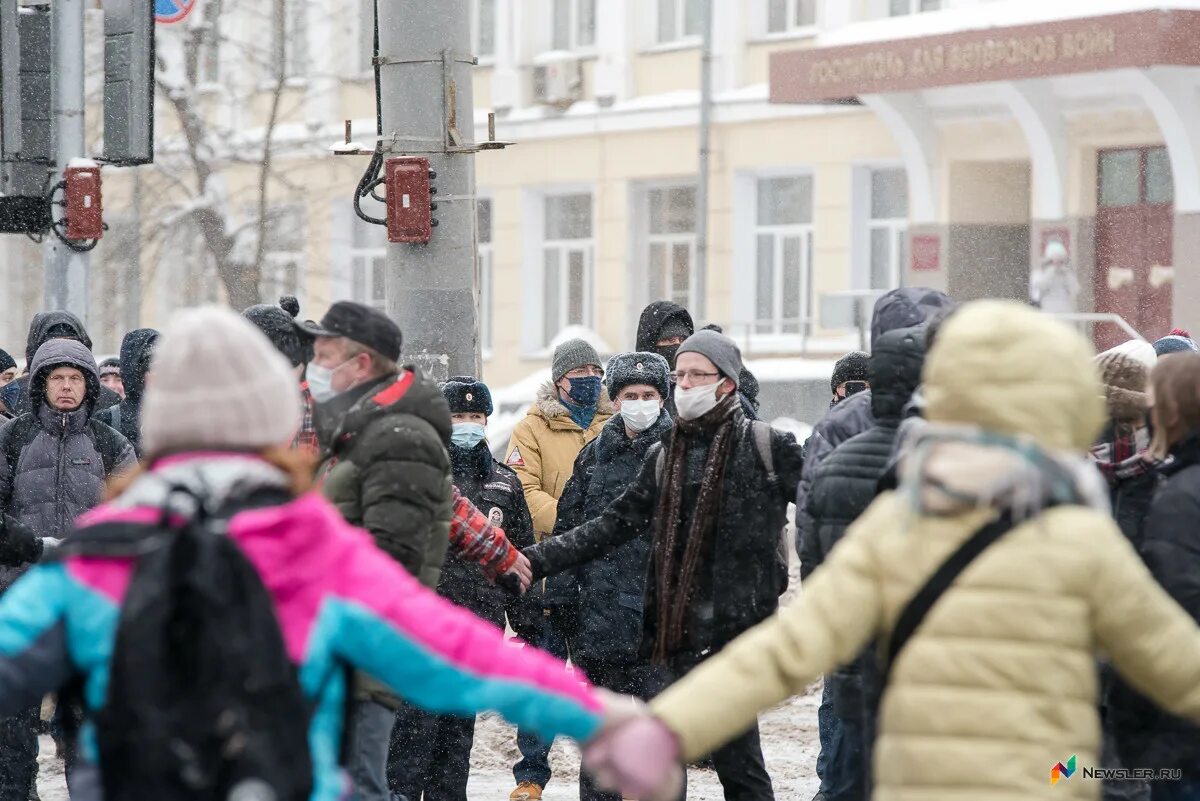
[998,684]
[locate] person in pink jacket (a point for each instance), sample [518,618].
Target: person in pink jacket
[340,601]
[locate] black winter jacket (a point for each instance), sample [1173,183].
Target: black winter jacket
[136,349]
[1148,737]
[908,307]
[612,587]
[497,492]
[44,327]
[741,577]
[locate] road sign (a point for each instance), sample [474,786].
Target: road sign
[166,11]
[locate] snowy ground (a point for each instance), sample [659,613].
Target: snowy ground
[789,742]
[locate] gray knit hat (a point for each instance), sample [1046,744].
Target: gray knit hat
[718,349]
[571,355]
[247,400]
[628,369]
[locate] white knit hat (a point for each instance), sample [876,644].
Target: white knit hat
[218,383]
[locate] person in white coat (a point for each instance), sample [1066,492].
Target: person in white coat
[1054,287]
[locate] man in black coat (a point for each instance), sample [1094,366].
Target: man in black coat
[429,753]
[714,494]
[137,348]
[843,488]
[900,308]
[612,588]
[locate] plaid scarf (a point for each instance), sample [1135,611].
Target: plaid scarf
[1124,456]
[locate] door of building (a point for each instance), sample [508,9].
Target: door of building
[1134,274]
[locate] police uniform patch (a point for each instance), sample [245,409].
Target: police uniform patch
[496,516]
[514,458]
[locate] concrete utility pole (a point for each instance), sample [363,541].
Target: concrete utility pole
[428,110]
[66,270]
[705,135]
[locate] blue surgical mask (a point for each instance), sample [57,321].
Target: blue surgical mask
[585,391]
[468,435]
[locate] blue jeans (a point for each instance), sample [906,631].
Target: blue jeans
[840,763]
[370,735]
[535,754]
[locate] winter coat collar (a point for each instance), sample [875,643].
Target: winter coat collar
[614,438]
[476,462]
[340,420]
[548,406]
[1185,454]
[58,423]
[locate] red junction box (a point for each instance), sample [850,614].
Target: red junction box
[409,198]
[83,210]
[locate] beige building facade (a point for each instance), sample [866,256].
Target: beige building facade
[827,175]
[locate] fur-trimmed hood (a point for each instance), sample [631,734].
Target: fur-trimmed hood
[550,406]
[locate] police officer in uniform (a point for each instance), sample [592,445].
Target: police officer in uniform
[431,754]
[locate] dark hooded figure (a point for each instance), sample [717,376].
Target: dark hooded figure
[137,348]
[54,461]
[44,327]
[842,489]
[663,328]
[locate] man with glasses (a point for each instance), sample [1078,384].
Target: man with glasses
[714,497]
[570,411]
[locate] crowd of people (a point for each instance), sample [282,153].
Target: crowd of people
[292,580]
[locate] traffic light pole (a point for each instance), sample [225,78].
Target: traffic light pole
[67,270]
[427,103]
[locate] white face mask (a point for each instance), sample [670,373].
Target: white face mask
[320,381]
[640,414]
[696,402]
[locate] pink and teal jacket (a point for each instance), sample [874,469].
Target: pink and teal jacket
[341,603]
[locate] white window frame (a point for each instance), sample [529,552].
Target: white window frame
[573,43]
[487,281]
[290,50]
[367,259]
[791,30]
[534,342]
[864,224]
[273,282]
[746,234]
[681,36]
[645,239]
[477,30]
[914,7]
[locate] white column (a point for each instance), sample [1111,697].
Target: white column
[908,118]
[1171,95]
[731,28]
[615,46]
[1036,110]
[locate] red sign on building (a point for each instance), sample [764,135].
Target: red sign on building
[926,253]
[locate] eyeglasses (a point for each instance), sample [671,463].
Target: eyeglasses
[586,372]
[694,376]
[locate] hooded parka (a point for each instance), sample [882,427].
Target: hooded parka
[998,684]
[44,327]
[136,350]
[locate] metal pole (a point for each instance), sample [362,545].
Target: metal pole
[67,271]
[706,103]
[428,108]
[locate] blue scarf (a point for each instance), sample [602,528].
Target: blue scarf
[582,415]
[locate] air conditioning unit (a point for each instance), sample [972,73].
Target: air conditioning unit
[558,83]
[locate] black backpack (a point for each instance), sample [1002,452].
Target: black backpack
[203,702]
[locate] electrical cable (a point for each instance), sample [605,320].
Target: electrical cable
[370,178]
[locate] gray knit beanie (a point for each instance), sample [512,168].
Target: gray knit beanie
[718,349]
[571,355]
[219,384]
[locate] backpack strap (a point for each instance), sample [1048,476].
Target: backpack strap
[918,607]
[762,444]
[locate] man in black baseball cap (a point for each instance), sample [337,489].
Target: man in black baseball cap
[383,432]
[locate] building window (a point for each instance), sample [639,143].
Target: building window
[290,27]
[368,257]
[784,250]
[567,254]
[671,245]
[887,228]
[283,257]
[483,214]
[900,8]
[574,24]
[784,16]
[680,19]
[483,28]
[1134,176]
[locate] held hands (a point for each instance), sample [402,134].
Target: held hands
[516,579]
[634,753]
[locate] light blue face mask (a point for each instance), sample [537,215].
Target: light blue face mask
[468,435]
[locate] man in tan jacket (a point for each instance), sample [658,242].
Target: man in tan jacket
[570,412]
[997,684]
